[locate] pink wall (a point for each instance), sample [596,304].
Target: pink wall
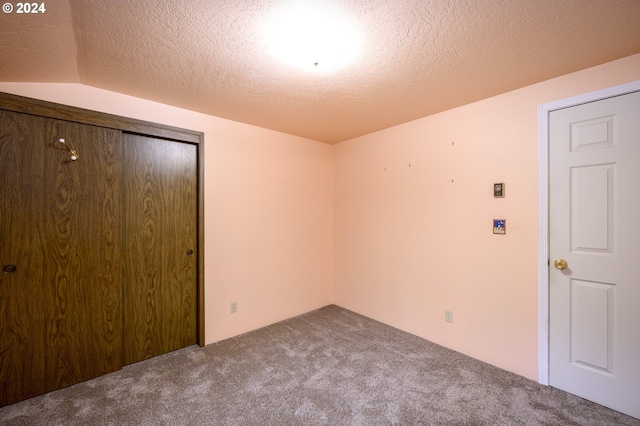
[268,210]
[413,221]
[395,225]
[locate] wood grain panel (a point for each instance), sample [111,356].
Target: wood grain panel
[160,195]
[61,310]
[22,104]
[62,224]
[79,115]
[83,213]
[22,304]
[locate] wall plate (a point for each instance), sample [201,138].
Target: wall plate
[498,190]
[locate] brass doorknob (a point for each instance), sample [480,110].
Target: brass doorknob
[560,263]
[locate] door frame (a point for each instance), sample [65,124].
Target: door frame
[544,111]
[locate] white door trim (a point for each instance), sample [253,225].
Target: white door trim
[543,210]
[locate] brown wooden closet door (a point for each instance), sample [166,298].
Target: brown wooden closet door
[22,317]
[60,309]
[160,242]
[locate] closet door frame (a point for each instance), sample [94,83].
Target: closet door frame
[79,115]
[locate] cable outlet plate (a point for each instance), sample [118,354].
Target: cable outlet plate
[448,316]
[233,307]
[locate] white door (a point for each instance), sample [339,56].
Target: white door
[594,226]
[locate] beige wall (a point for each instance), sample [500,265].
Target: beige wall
[412,207]
[413,221]
[268,210]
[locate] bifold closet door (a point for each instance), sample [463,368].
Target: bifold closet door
[160,243]
[60,285]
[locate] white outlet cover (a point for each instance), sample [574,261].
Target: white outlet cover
[448,316]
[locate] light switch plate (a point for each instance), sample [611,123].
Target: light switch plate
[498,190]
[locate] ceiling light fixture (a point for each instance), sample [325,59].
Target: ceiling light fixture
[313,35]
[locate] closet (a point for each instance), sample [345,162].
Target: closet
[100,244]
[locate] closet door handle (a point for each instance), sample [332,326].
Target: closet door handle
[189,252]
[9,269]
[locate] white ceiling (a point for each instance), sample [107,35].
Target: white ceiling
[419,56]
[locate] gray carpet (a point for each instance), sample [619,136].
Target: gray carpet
[328,367]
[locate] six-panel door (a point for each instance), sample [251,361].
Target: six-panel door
[594,226]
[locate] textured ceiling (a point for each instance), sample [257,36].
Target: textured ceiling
[418,57]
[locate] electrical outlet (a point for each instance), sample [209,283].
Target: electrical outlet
[448,316]
[234,307]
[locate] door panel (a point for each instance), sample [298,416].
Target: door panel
[594,172]
[82,210]
[22,303]
[592,318]
[60,310]
[591,190]
[160,269]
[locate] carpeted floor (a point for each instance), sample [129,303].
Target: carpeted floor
[327,367]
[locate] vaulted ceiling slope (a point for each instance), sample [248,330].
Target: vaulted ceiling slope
[417,57]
